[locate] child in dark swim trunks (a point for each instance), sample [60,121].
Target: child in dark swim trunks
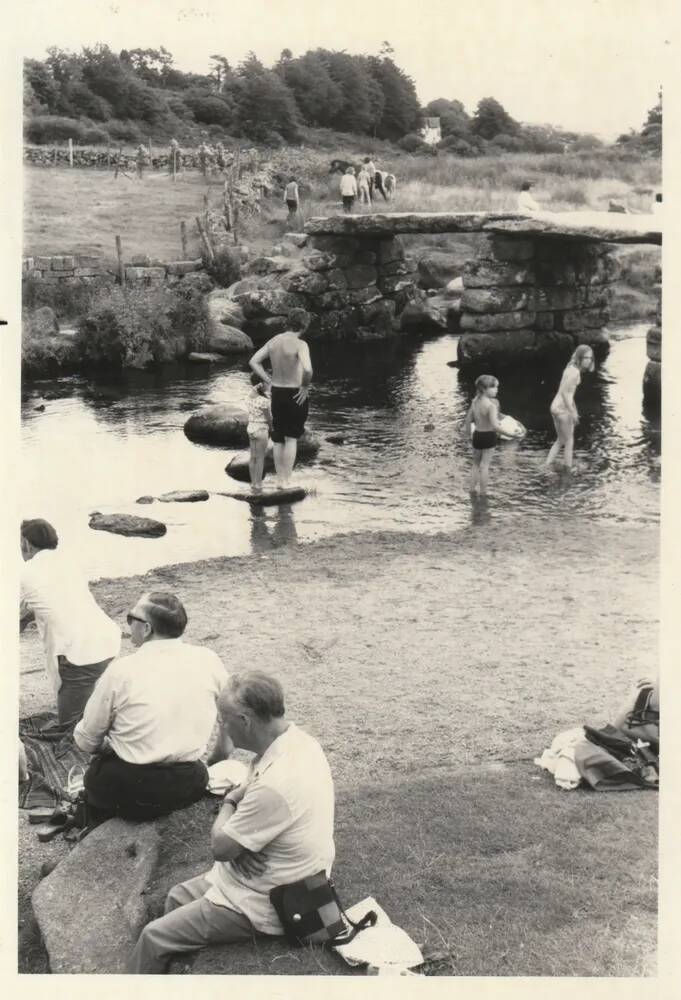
[483,413]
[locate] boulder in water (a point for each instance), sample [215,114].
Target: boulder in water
[184,496]
[221,307]
[224,339]
[221,424]
[145,499]
[237,468]
[437,268]
[423,316]
[199,357]
[129,525]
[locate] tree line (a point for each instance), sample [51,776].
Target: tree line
[98,96]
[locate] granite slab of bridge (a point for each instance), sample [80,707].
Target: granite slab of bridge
[539,285]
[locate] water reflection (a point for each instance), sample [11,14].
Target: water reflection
[404,463]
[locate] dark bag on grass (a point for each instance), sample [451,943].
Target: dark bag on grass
[626,764]
[311,912]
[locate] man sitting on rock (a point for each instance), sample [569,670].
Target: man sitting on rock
[150,718]
[289,357]
[274,829]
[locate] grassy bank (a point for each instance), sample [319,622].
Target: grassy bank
[431,668]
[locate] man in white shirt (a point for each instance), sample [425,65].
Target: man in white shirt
[80,640]
[526,202]
[274,829]
[150,718]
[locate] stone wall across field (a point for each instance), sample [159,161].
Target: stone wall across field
[141,270]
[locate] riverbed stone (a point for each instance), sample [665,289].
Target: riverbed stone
[220,424]
[490,300]
[498,321]
[423,315]
[129,525]
[225,340]
[302,280]
[92,907]
[184,496]
[238,467]
[437,267]
[145,499]
[203,357]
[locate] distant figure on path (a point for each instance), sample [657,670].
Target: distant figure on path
[142,160]
[174,157]
[484,413]
[289,357]
[80,640]
[563,409]
[348,189]
[274,829]
[292,198]
[526,202]
[364,186]
[150,718]
[259,428]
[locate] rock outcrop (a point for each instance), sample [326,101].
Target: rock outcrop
[237,467]
[184,496]
[92,907]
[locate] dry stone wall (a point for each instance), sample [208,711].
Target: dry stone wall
[141,270]
[535,296]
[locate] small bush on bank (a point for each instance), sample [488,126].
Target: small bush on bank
[68,301]
[225,269]
[131,328]
[43,353]
[412,143]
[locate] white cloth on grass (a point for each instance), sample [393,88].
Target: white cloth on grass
[384,946]
[559,759]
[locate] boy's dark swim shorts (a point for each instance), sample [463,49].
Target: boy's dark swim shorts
[484,439]
[288,417]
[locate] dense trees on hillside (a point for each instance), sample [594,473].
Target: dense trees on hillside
[139,93]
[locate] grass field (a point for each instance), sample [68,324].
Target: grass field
[83,210]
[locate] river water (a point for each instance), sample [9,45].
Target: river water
[404,463]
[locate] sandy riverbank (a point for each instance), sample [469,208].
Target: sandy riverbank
[397,648]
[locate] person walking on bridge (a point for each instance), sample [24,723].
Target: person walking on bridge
[289,357]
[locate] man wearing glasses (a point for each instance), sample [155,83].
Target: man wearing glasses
[150,717]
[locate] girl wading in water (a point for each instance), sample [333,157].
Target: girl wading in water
[484,413]
[563,409]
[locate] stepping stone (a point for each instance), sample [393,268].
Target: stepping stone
[270,498]
[127,524]
[184,496]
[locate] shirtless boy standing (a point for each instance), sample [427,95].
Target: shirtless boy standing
[289,357]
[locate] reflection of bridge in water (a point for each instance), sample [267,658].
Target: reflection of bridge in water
[538,285]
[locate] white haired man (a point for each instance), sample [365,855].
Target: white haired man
[150,717]
[272,830]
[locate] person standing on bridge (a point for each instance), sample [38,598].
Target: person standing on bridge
[290,380]
[563,409]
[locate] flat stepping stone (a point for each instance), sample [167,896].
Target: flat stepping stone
[129,525]
[184,496]
[271,498]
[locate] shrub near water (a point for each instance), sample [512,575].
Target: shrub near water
[131,328]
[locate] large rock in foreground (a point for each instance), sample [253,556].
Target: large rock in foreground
[92,907]
[129,525]
[223,424]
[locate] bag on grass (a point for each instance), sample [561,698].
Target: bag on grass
[311,912]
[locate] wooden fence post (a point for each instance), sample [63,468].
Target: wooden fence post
[183,235]
[70,152]
[121,266]
[205,241]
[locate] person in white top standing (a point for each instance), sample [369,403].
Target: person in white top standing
[292,199]
[272,830]
[80,640]
[149,719]
[348,189]
[526,202]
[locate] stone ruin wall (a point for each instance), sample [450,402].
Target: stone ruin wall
[535,296]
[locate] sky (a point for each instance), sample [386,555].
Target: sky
[589,65]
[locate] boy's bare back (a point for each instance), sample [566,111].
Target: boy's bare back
[287,353]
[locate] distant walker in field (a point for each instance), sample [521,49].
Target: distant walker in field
[290,380]
[525,201]
[348,189]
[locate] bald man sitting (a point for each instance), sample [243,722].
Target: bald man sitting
[150,717]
